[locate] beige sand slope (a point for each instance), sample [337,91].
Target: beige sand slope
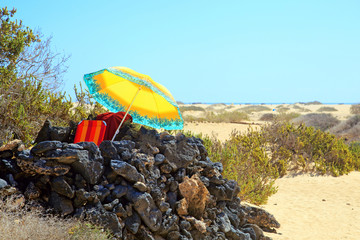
[223,130]
[320,207]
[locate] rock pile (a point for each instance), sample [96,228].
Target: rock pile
[145,186]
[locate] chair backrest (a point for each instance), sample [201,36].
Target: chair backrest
[90,131]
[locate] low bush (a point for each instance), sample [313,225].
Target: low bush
[300,109]
[268,117]
[227,117]
[255,108]
[283,109]
[287,116]
[191,108]
[305,148]
[321,121]
[311,103]
[348,129]
[327,109]
[355,109]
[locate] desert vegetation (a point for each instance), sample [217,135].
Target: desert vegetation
[256,159]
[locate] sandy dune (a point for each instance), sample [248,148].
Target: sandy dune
[320,207]
[307,207]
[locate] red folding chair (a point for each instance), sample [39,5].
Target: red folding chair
[90,131]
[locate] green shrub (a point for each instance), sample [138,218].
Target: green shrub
[308,149]
[244,160]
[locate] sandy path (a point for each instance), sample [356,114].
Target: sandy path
[317,207]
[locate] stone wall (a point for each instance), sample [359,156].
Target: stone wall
[148,185]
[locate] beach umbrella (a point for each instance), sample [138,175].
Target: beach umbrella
[121,89]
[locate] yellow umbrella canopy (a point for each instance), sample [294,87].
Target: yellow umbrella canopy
[121,89]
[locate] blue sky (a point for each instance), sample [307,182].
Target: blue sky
[211,51]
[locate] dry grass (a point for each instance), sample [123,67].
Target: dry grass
[255,108]
[327,109]
[217,117]
[348,129]
[18,222]
[191,108]
[320,121]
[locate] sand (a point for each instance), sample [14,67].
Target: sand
[307,207]
[321,207]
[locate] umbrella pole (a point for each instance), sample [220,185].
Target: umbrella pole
[127,111]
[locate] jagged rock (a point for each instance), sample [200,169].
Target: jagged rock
[163,206]
[3,183]
[255,231]
[94,151]
[260,217]
[181,154]
[45,146]
[235,234]
[144,205]
[61,204]
[9,165]
[196,194]
[60,133]
[7,154]
[108,151]
[43,167]
[119,191]
[59,185]
[66,156]
[174,235]
[82,197]
[127,171]
[124,144]
[110,206]
[145,234]
[120,211]
[103,193]
[14,145]
[223,221]
[32,192]
[166,168]
[89,167]
[140,186]
[106,219]
[44,133]
[10,179]
[182,207]
[159,159]
[133,222]
[169,224]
